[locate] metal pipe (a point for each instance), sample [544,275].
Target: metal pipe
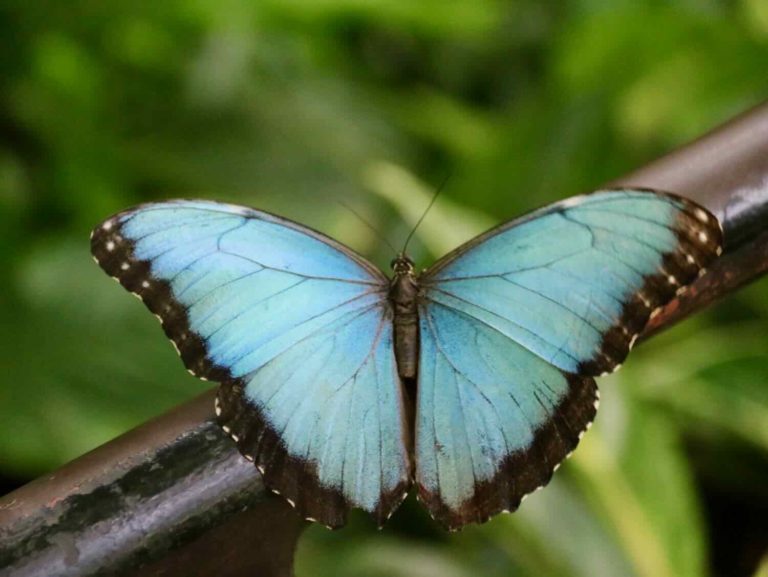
[174,496]
[726,171]
[170,497]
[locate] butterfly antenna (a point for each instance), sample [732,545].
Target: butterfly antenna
[426,210]
[375,230]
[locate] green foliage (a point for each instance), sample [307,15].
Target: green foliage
[292,105]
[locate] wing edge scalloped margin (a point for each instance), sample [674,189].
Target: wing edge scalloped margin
[114,253]
[294,479]
[699,242]
[525,471]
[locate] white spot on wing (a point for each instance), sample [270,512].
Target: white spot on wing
[125,266]
[107,225]
[703,236]
[689,259]
[241,210]
[145,284]
[701,215]
[110,245]
[672,280]
[226,429]
[570,202]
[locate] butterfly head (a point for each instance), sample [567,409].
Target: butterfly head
[402,265]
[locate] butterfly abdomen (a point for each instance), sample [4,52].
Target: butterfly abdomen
[403,295]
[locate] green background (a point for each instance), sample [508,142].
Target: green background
[293,106]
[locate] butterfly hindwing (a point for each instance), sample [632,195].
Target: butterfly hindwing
[516,322]
[493,419]
[297,329]
[329,399]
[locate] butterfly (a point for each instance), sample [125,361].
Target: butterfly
[470,381]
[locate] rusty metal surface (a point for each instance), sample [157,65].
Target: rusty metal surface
[174,497]
[726,171]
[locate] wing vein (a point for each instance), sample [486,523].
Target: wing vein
[294,273]
[490,326]
[456,370]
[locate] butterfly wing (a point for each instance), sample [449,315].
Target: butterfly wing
[493,419]
[298,330]
[515,324]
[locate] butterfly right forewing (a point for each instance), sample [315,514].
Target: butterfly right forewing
[515,324]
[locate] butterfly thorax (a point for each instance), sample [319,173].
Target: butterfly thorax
[403,295]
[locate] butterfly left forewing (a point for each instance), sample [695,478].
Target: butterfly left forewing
[297,329]
[565,289]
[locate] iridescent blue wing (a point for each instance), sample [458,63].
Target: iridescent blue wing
[298,330]
[515,324]
[493,419]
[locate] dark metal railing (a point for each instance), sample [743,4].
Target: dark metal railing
[174,497]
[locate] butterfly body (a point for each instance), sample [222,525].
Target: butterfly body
[472,380]
[403,297]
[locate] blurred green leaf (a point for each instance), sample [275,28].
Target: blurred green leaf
[717,386]
[81,363]
[762,570]
[293,106]
[446,225]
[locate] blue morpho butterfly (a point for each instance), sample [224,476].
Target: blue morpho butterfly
[472,379]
